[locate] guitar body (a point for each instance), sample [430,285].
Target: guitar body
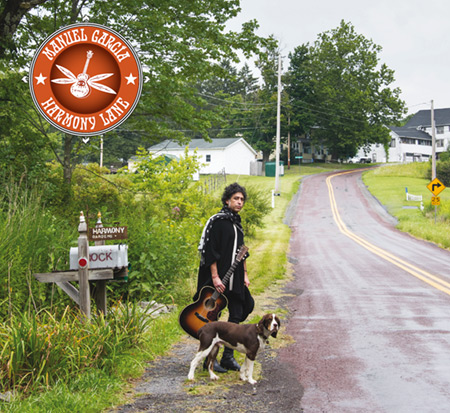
[203,311]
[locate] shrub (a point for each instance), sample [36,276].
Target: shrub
[256,208]
[443,172]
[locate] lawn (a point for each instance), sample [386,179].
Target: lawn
[388,184]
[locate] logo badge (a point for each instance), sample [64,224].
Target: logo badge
[85,79]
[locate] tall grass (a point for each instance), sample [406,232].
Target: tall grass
[31,240]
[42,349]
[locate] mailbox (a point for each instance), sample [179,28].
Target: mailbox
[102,256]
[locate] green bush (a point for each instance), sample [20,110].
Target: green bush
[256,208]
[443,172]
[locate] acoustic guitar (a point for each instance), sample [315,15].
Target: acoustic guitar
[209,304]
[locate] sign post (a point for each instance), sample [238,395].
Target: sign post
[83,268]
[100,286]
[299,157]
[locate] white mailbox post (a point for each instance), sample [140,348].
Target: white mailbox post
[98,264]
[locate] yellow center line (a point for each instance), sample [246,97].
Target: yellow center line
[423,275]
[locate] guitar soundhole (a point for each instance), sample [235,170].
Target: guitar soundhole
[210,304]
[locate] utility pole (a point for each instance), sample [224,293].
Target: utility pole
[101,151]
[433,143]
[277,150]
[289,143]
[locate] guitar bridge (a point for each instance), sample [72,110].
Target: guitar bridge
[200,317]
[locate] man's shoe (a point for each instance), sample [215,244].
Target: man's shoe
[216,367]
[230,363]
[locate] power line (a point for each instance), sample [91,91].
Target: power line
[232,102]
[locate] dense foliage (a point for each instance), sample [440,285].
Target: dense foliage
[341,95]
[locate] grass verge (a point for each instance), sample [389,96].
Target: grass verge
[388,185]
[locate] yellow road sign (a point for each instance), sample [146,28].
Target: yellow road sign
[435,200]
[436,186]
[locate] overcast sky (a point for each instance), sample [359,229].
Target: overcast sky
[414,35]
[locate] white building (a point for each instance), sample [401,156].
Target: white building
[232,155]
[422,121]
[407,145]
[413,142]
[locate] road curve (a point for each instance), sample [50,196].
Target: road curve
[372,322]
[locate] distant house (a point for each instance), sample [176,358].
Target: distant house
[407,145]
[413,142]
[422,121]
[232,155]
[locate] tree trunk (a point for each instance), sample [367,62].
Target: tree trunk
[11,14]
[67,166]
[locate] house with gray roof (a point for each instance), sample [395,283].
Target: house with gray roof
[407,145]
[413,142]
[229,155]
[422,121]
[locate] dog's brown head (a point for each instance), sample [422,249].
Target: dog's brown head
[269,325]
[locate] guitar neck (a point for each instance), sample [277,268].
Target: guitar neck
[230,272]
[226,279]
[89,56]
[240,255]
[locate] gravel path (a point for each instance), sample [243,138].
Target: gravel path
[164,386]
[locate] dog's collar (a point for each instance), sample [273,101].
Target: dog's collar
[266,338]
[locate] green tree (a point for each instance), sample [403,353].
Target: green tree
[231,98]
[11,13]
[264,138]
[180,44]
[347,89]
[300,90]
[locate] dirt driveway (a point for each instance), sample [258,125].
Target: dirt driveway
[164,386]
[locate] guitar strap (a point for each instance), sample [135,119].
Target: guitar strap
[233,257]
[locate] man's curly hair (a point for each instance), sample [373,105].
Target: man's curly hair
[232,189]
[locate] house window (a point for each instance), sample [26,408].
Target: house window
[440,143]
[439,129]
[208,158]
[392,145]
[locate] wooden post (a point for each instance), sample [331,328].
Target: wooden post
[83,270]
[100,286]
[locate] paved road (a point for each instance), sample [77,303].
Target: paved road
[372,325]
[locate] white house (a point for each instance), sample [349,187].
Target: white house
[407,145]
[413,142]
[422,121]
[232,155]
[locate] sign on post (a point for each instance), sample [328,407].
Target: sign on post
[436,186]
[107,233]
[435,200]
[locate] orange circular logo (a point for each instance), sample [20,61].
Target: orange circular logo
[85,79]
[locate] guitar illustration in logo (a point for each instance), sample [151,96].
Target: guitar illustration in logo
[82,84]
